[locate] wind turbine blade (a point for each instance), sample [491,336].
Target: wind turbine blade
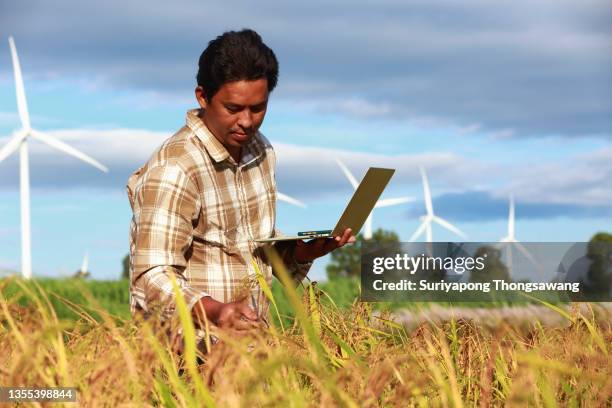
[426,192]
[22,105]
[419,231]
[290,200]
[449,226]
[13,144]
[347,173]
[511,218]
[526,253]
[388,202]
[59,145]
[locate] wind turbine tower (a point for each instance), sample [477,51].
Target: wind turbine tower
[511,240]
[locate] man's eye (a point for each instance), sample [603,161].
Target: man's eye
[232,109]
[257,109]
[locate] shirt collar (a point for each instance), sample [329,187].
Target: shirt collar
[252,151]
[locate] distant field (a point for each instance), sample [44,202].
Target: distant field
[113,296]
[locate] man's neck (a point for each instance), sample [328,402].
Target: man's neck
[235,152]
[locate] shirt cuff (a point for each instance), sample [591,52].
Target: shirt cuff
[192,296]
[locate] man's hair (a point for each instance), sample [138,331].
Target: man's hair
[235,56]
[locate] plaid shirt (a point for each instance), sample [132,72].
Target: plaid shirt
[196,214]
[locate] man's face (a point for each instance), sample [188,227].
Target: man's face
[235,112]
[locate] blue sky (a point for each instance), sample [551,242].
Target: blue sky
[511,97]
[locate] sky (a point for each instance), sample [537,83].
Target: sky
[492,98]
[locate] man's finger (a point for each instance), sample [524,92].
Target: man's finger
[346,235]
[247,312]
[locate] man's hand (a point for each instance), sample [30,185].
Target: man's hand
[313,249]
[234,315]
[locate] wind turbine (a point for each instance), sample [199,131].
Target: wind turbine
[19,140]
[387,202]
[430,217]
[512,241]
[290,200]
[84,271]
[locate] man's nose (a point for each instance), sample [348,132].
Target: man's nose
[245,120]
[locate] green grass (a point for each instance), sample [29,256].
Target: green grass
[113,296]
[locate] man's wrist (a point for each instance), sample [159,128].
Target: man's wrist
[297,257]
[208,308]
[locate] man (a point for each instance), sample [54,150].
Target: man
[209,192]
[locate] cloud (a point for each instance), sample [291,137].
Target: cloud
[514,67]
[353,107]
[478,206]
[309,171]
[584,179]
[313,171]
[121,150]
[579,185]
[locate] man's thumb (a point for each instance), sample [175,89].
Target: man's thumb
[246,310]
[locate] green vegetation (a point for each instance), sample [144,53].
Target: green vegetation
[112,296]
[600,271]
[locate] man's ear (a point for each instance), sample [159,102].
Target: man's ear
[201,97]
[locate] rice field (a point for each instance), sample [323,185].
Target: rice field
[324,354]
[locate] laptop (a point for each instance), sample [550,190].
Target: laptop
[356,212]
